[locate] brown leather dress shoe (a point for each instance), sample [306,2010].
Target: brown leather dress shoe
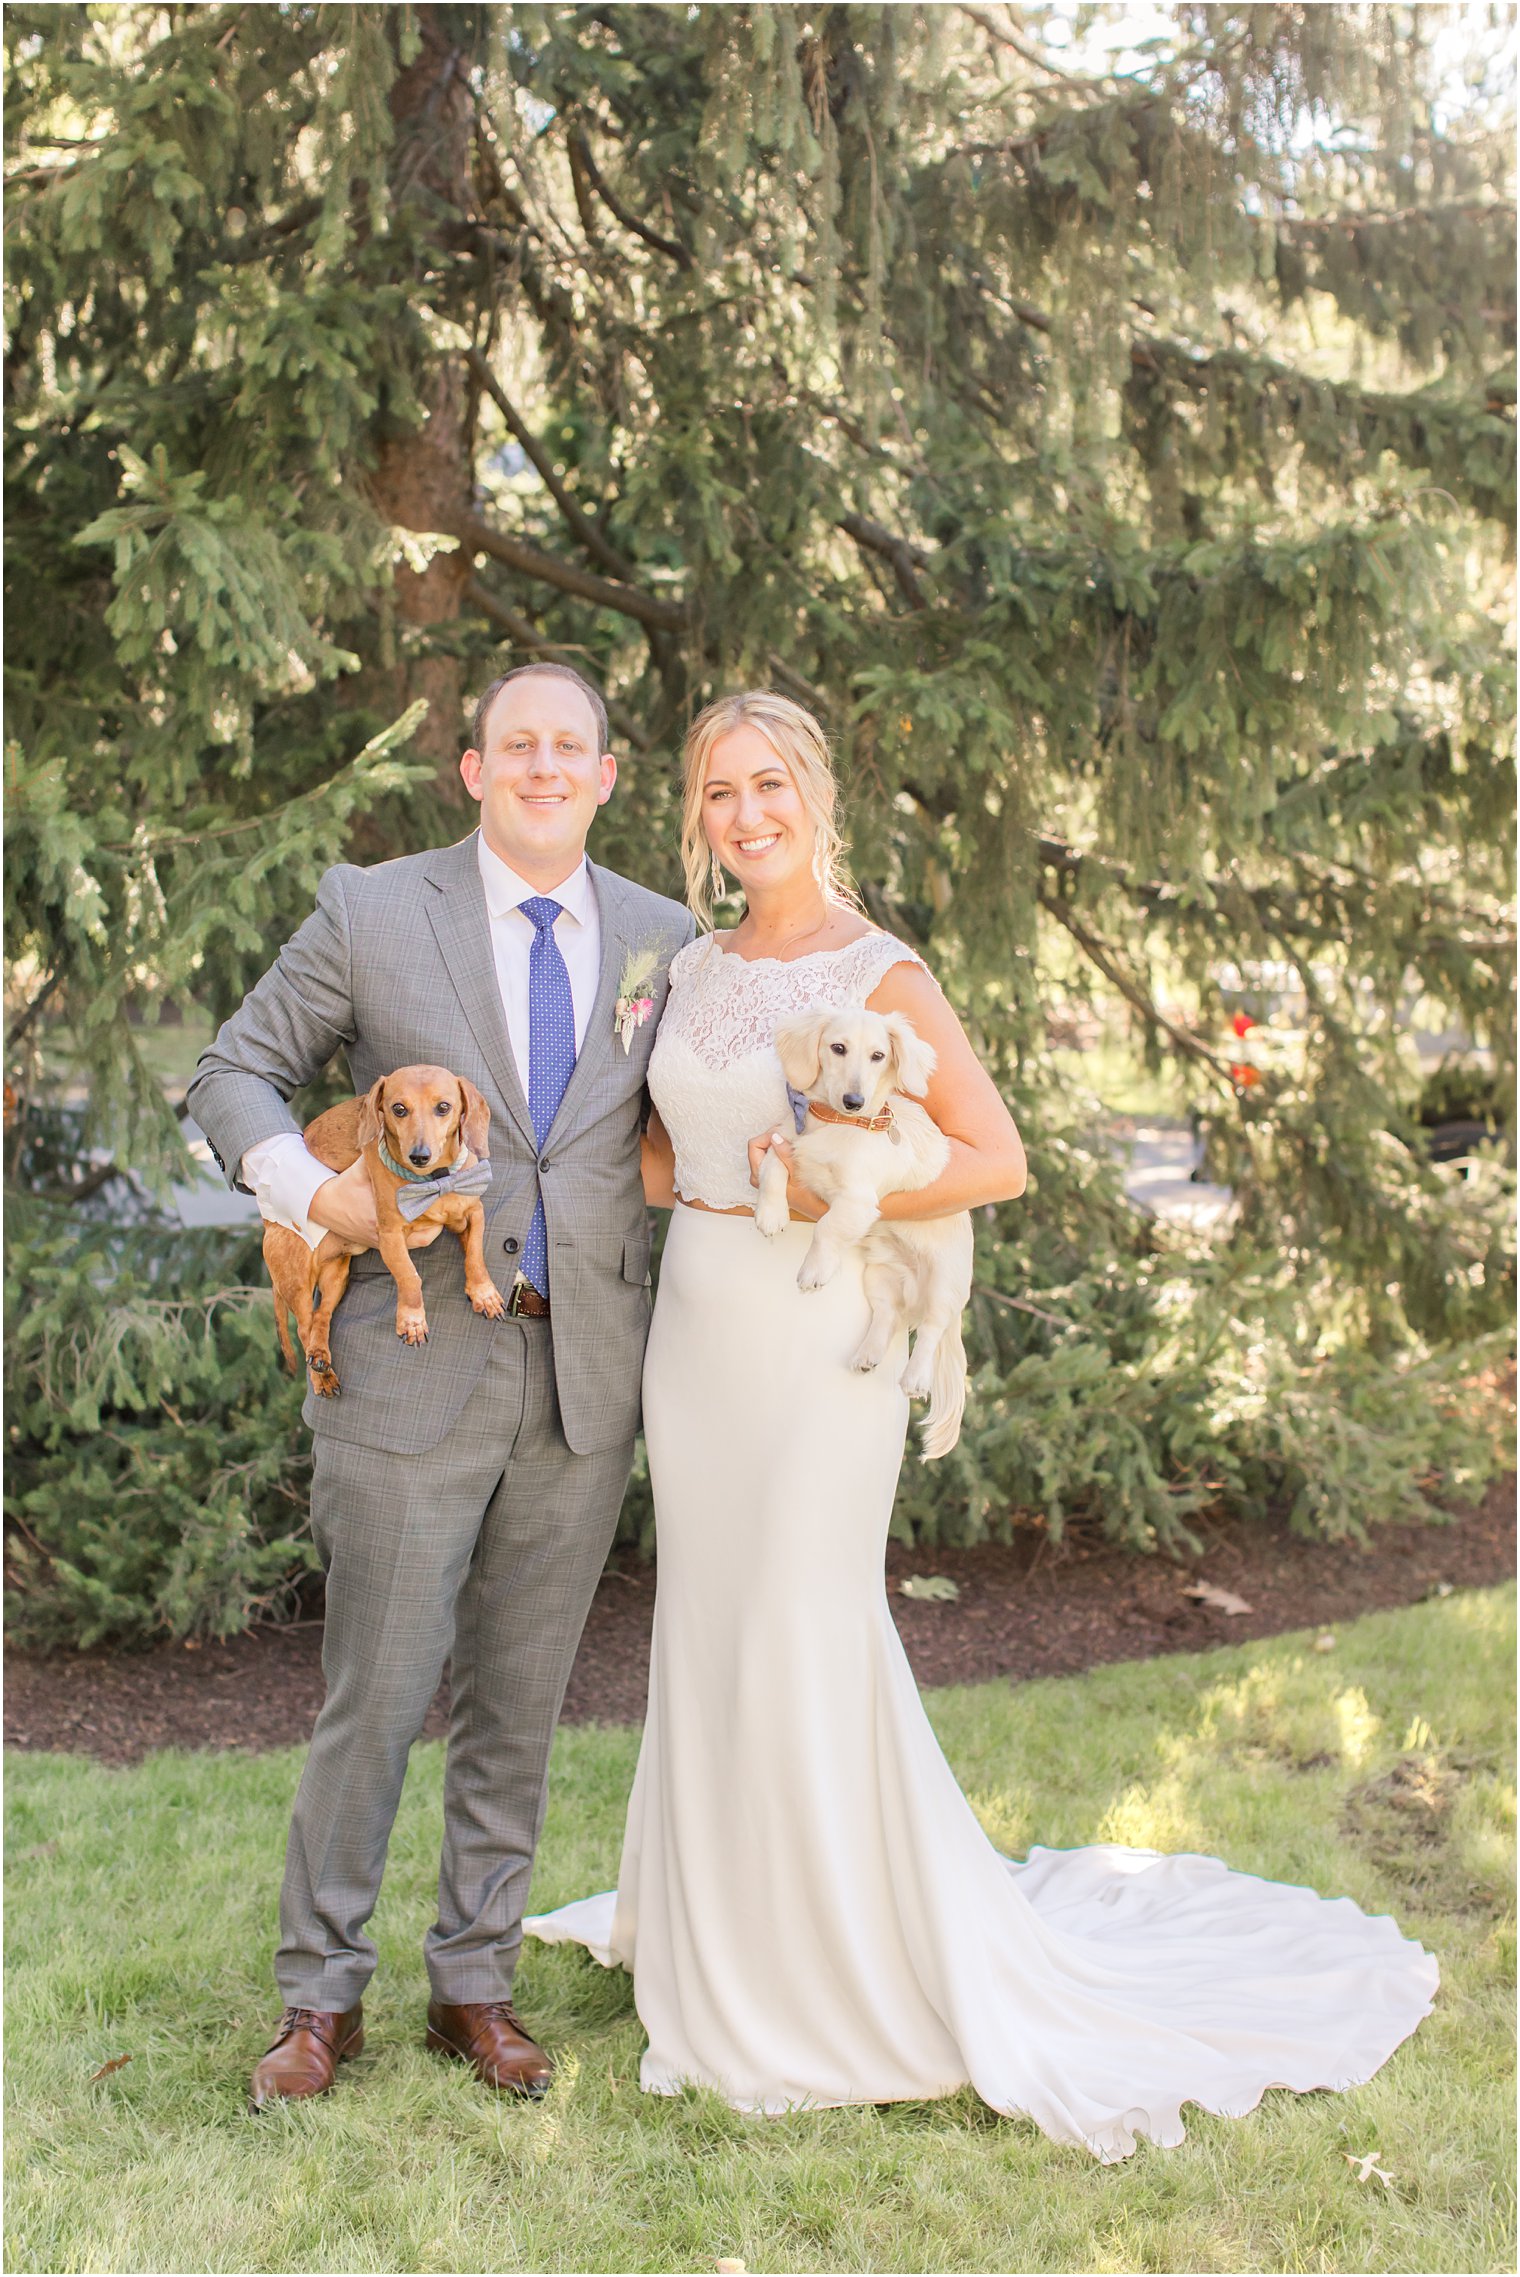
[487,2035]
[304,2055]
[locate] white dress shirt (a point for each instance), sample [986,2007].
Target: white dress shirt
[284,1176]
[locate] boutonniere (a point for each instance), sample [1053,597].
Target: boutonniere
[633,1005]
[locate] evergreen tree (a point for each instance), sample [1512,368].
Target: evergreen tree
[1121,461]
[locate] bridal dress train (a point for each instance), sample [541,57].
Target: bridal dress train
[811,1911]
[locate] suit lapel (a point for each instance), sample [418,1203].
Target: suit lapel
[457,911]
[601,1035]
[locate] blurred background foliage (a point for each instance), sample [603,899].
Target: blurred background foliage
[1104,419]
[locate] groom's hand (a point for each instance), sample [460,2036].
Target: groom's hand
[800,1199]
[345,1205]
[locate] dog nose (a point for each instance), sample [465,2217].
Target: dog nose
[419,1155]
[854,1100]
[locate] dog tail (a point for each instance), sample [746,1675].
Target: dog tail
[947,1400]
[282,1327]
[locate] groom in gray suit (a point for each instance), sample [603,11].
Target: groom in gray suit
[465,1491]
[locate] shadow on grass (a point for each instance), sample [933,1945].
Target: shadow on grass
[141,1924]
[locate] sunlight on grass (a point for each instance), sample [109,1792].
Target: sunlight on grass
[141,1924]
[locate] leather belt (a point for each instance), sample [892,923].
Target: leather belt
[525,1303]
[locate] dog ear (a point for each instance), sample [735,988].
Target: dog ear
[370,1115]
[916,1060]
[799,1046]
[474,1120]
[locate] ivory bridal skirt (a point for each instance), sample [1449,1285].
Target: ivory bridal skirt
[811,1912]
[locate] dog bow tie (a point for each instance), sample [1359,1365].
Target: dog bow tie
[419,1194]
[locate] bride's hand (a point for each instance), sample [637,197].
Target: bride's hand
[800,1199]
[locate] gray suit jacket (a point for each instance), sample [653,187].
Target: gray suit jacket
[395,966]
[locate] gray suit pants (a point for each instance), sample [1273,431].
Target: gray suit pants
[489,1546]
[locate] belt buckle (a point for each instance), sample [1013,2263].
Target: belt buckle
[523,1287]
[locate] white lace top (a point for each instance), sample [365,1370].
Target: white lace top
[714,1074]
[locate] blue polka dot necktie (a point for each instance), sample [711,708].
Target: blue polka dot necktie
[551,1056]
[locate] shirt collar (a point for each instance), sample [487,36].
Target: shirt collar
[505,890]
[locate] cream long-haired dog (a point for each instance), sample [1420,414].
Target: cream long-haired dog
[865,1137]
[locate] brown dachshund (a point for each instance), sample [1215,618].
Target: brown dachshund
[424,1118]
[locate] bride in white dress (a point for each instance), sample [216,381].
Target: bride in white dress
[810,1909]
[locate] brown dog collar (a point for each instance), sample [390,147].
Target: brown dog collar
[881,1122]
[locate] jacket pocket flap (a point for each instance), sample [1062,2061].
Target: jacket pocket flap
[636,1256]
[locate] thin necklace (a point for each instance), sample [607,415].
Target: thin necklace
[803,933]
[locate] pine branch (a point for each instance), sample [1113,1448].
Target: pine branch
[1022,1304]
[528,561]
[380,746]
[1105,958]
[83,1188]
[904,558]
[549,301]
[1287,920]
[885,910]
[536,643]
[29,177]
[1353,224]
[580,184]
[1349,883]
[1006,37]
[1413,426]
[599,547]
[669,246]
[274,233]
[1022,148]
[1026,313]
[1362,259]
[517,628]
[32,1010]
[850,427]
[793,684]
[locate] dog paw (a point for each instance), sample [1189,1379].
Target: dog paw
[412,1327]
[489,1301]
[817,1276]
[864,1362]
[324,1376]
[916,1382]
[771,1222]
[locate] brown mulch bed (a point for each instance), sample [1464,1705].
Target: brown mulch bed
[1025,1608]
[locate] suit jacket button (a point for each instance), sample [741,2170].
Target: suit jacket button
[545,1164]
[511,1245]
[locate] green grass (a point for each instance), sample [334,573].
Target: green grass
[170,1048]
[141,1923]
[1113,1069]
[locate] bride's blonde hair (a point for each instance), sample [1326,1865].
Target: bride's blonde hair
[795,736]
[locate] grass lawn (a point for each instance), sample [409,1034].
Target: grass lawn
[141,1925]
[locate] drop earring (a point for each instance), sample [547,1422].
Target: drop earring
[719,888]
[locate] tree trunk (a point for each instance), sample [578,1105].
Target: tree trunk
[424,477]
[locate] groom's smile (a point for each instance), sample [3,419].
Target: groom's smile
[539,776]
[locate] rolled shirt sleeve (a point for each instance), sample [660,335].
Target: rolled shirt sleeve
[284,1176]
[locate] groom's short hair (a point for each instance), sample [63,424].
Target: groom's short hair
[549,671]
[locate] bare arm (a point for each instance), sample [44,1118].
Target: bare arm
[986,1153]
[657,1160]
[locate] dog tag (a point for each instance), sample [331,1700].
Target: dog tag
[895,1135]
